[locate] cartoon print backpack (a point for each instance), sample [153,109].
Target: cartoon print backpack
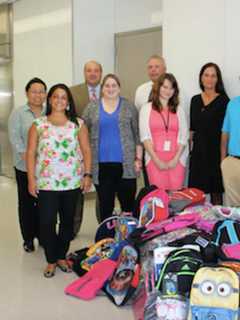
[152,205]
[116,227]
[159,307]
[214,294]
[125,279]
[98,251]
[171,308]
[226,236]
[141,194]
[124,227]
[117,275]
[106,229]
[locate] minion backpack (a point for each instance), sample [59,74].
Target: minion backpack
[214,294]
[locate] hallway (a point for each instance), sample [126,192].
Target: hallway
[25,293]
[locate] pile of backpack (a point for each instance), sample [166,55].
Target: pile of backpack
[177,257]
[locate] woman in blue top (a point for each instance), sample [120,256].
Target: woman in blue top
[116,149]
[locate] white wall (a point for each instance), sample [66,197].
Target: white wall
[95,22]
[196,32]
[232,47]
[42,43]
[137,14]
[93,25]
[193,33]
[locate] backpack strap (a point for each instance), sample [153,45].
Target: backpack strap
[229,225]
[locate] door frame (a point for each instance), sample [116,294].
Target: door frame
[127,33]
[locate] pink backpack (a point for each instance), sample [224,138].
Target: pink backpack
[153,230]
[153,207]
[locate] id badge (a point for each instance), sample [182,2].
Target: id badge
[167,145]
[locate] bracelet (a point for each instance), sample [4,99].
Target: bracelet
[138,159]
[87,174]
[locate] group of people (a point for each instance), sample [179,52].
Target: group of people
[90,134]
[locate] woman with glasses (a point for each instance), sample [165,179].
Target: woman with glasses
[19,123]
[116,148]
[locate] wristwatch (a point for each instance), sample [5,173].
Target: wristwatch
[87,174]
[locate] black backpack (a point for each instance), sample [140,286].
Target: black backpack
[226,237]
[177,272]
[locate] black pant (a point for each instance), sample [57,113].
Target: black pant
[51,203]
[112,183]
[144,170]
[78,216]
[27,208]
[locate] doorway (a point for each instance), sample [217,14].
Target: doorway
[132,51]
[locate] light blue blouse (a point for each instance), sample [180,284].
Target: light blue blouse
[19,123]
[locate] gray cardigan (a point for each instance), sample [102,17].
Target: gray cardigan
[129,134]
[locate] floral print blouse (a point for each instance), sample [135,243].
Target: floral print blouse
[59,161]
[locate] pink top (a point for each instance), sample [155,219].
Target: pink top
[164,129]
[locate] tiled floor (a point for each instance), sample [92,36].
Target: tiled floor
[24,292]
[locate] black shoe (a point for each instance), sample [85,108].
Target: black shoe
[40,244]
[28,246]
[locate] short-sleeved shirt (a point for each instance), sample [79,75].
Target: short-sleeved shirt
[59,164]
[231,126]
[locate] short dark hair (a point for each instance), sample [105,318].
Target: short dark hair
[71,113]
[173,101]
[219,85]
[35,80]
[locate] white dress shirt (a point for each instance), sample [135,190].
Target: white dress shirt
[142,94]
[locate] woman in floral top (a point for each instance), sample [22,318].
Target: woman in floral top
[58,163]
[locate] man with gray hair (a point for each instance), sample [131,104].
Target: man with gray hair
[89,90]
[155,68]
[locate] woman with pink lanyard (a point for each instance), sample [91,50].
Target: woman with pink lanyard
[164,133]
